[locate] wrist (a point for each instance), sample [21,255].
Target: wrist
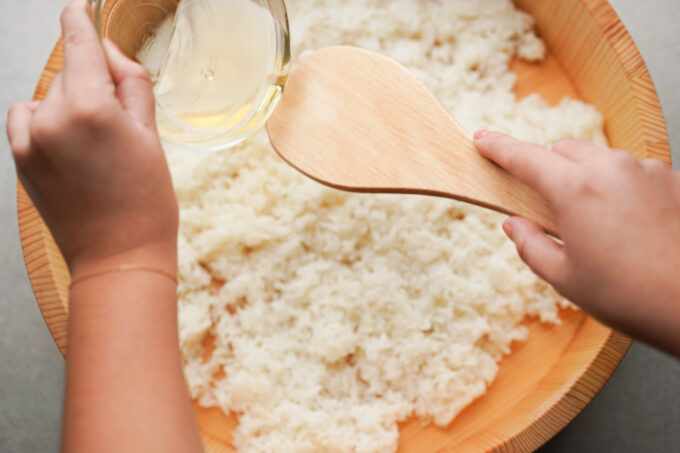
[159,257]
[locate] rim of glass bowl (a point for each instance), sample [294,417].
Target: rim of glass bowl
[257,117]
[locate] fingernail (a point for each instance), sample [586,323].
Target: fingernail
[480,134]
[507,228]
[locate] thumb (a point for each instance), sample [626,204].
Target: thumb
[133,85]
[19,128]
[544,255]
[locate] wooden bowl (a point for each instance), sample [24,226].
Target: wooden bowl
[550,377]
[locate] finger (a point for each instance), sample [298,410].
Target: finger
[19,128]
[577,150]
[534,165]
[540,252]
[85,67]
[652,165]
[133,85]
[52,106]
[54,92]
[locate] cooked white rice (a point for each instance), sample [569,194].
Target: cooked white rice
[341,314]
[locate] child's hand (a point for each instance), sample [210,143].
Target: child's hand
[90,157]
[619,219]
[91,160]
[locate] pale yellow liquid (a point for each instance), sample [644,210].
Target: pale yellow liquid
[215,69]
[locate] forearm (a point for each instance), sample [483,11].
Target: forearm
[90,157]
[125,389]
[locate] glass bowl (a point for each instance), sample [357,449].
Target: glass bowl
[200,110]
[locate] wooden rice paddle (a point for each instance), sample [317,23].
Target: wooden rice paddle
[355,120]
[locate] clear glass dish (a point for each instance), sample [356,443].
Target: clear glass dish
[211,101]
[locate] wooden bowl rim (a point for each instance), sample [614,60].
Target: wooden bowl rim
[45,265]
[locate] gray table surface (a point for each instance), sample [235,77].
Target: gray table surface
[638,410]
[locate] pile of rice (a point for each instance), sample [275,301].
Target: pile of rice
[335,315]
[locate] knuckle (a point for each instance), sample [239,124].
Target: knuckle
[496,138]
[653,165]
[13,109]
[71,37]
[16,113]
[11,115]
[578,182]
[575,147]
[45,130]
[89,112]
[81,111]
[495,142]
[564,145]
[510,155]
[70,8]
[625,160]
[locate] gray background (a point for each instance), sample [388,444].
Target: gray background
[638,410]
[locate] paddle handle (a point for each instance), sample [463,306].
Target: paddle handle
[483,183]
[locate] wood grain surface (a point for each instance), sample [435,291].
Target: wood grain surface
[550,377]
[382,130]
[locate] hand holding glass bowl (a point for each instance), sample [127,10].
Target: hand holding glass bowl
[218,66]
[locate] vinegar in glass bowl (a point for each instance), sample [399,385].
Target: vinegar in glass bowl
[218,66]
